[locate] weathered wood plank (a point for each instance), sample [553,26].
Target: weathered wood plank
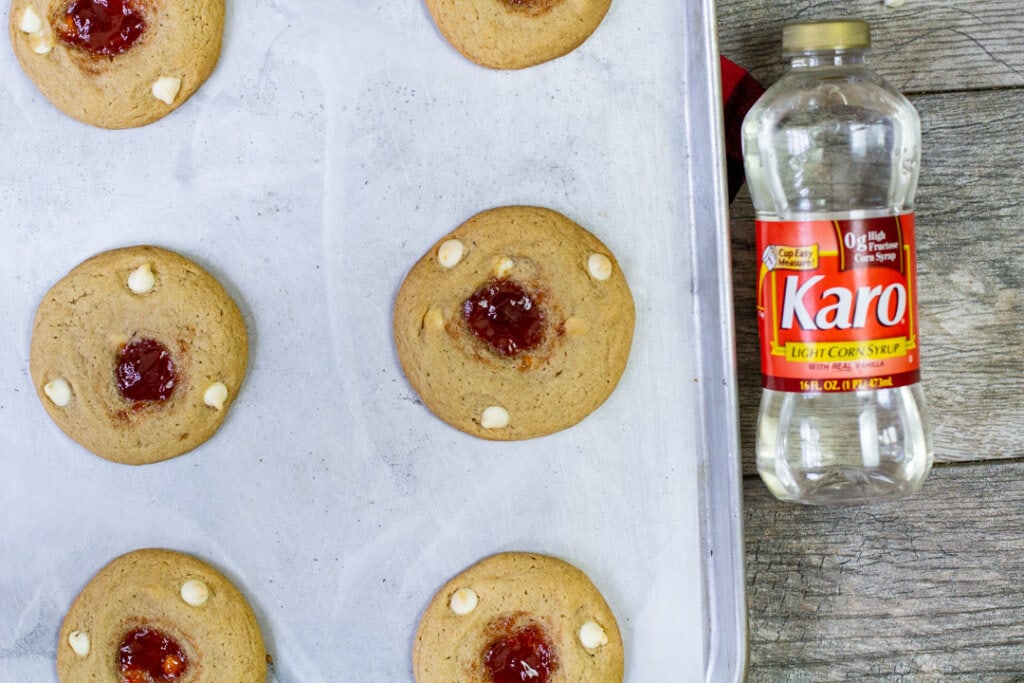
[923,46]
[926,588]
[970,233]
[901,591]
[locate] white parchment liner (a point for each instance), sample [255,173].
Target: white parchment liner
[335,143]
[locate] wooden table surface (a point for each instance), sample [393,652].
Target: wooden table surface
[930,587]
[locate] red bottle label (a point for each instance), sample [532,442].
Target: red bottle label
[837,304]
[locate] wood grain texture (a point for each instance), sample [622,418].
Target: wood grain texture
[923,46]
[925,589]
[891,592]
[970,234]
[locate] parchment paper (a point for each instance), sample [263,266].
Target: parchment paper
[335,142]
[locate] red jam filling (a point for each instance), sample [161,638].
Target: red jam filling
[505,316]
[145,371]
[102,27]
[148,656]
[522,655]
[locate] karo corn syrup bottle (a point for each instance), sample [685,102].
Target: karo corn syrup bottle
[831,154]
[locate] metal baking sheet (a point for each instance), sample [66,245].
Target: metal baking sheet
[335,143]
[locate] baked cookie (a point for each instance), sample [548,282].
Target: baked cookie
[156,615]
[516,325]
[518,617]
[137,354]
[515,34]
[117,63]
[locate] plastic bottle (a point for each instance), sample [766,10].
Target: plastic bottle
[831,153]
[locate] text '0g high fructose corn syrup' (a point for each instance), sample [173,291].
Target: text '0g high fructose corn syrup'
[831,154]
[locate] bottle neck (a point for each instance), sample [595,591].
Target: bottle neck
[810,60]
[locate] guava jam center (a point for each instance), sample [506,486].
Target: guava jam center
[148,656]
[102,27]
[145,371]
[505,316]
[523,655]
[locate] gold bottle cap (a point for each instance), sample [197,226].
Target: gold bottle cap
[816,36]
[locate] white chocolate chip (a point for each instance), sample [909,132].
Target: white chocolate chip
[494,417]
[215,395]
[600,266]
[43,42]
[463,601]
[195,593]
[592,636]
[166,88]
[575,326]
[434,319]
[505,264]
[450,253]
[59,392]
[141,281]
[79,642]
[41,38]
[30,21]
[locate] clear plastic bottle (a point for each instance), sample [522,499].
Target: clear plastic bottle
[831,143]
